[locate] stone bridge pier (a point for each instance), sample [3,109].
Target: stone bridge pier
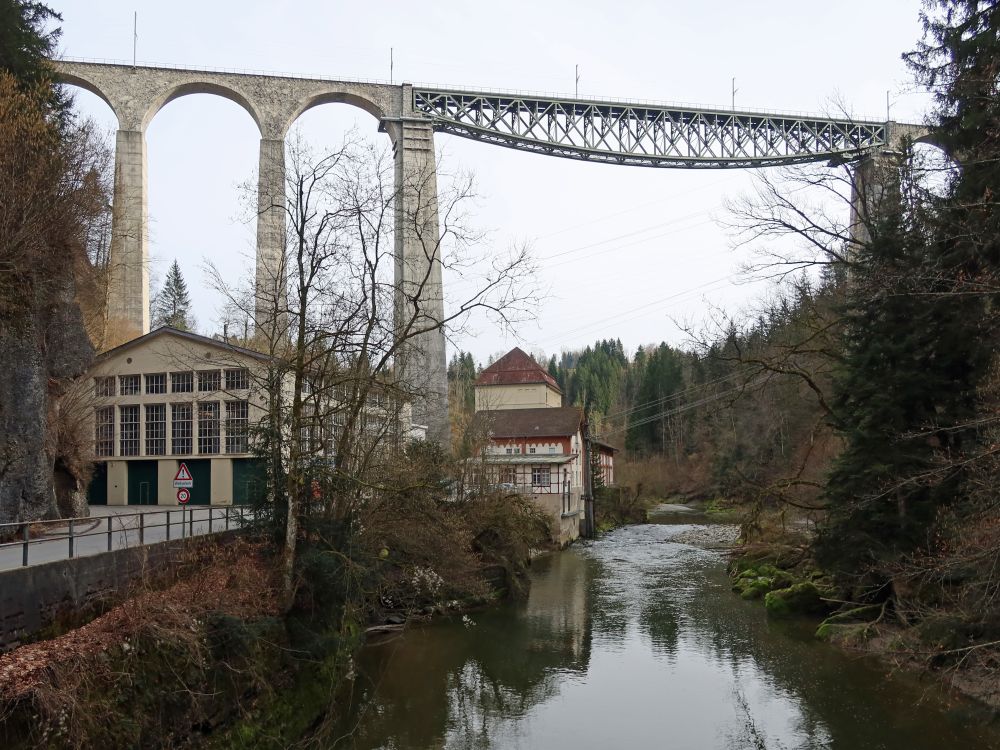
[136,94]
[875,179]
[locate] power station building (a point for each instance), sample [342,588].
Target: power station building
[169,397]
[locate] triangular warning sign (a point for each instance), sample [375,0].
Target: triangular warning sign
[183,475]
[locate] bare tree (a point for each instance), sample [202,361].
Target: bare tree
[343,331]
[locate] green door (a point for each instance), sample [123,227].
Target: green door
[97,492]
[249,481]
[201,473]
[142,483]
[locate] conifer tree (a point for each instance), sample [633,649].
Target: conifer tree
[25,46]
[918,334]
[171,306]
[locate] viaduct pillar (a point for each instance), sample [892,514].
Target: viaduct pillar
[271,277]
[128,273]
[419,303]
[874,181]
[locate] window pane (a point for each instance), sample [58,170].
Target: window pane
[129,385]
[104,386]
[237,380]
[156,429]
[181,382]
[209,380]
[208,427]
[129,434]
[237,422]
[180,429]
[156,383]
[104,431]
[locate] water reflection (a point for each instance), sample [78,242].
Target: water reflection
[635,641]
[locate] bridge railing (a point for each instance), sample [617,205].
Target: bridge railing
[66,538]
[524,93]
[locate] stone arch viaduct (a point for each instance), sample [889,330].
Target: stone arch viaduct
[627,133]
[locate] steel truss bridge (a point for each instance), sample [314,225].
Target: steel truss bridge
[647,135]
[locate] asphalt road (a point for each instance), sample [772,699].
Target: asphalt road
[111,527]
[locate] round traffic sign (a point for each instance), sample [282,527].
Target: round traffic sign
[183,495]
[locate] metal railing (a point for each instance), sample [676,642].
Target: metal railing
[67,538]
[561,95]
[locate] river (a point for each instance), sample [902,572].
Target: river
[635,641]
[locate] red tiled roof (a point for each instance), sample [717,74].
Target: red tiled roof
[516,368]
[561,421]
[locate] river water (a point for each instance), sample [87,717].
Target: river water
[636,641]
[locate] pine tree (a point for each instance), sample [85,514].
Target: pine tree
[25,49]
[171,306]
[918,334]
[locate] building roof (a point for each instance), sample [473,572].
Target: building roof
[604,444]
[516,367]
[195,338]
[563,421]
[529,459]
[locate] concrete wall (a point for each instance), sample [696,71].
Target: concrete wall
[222,481]
[117,483]
[166,470]
[32,598]
[565,526]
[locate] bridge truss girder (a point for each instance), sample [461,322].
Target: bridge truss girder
[646,135]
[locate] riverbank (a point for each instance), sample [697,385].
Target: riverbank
[212,655]
[782,576]
[176,652]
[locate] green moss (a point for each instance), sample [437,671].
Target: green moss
[799,599]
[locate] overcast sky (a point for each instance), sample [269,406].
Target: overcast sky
[624,251]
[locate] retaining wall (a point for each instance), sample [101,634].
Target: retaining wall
[35,597]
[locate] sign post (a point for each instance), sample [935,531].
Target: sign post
[183,477]
[183,482]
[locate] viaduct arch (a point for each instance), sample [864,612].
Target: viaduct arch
[627,133]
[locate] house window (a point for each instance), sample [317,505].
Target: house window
[129,419]
[531,449]
[181,443]
[104,386]
[508,475]
[237,421]
[541,476]
[510,451]
[156,429]
[552,449]
[181,382]
[208,427]
[156,383]
[238,379]
[209,380]
[128,385]
[104,430]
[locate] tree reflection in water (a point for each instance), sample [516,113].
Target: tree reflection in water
[636,641]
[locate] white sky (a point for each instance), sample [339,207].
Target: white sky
[648,248]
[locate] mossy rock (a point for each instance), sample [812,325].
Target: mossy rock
[799,599]
[842,632]
[753,583]
[756,588]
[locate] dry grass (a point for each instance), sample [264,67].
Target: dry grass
[234,580]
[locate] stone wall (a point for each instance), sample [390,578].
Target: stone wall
[565,526]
